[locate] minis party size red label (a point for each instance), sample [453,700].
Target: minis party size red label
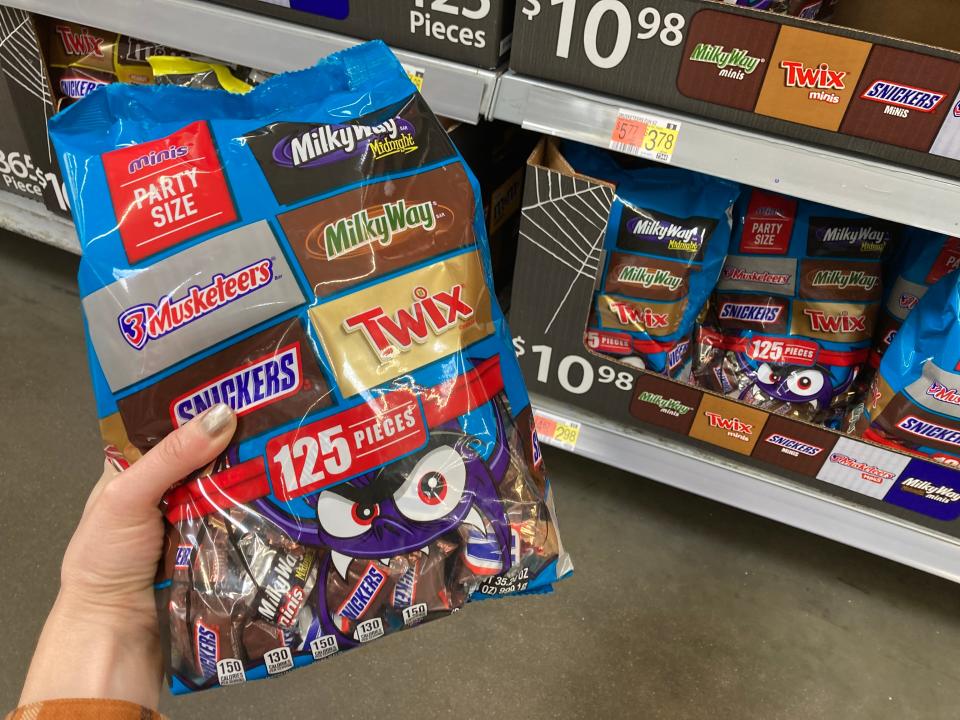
[167,191]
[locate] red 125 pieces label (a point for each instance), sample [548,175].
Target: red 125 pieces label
[337,448]
[168,190]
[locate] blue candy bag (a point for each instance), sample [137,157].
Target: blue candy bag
[312,253]
[793,316]
[665,243]
[914,399]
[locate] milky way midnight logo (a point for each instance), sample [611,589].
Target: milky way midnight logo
[301,160]
[646,231]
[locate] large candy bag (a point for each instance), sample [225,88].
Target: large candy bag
[792,319]
[312,253]
[667,236]
[914,399]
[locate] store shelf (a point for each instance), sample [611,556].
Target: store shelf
[813,173]
[455,91]
[742,486]
[33,220]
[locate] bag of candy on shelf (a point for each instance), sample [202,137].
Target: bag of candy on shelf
[666,239]
[792,320]
[313,253]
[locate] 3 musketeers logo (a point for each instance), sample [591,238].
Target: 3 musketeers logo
[145,322]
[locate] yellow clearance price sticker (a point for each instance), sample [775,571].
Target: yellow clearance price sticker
[645,136]
[556,431]
[416,75]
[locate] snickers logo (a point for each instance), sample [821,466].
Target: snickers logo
[406,588]
[248,388]
[929,430]
[366,590]
[182,559]
[430,314]
[143,323]
[748,312]
[793,446]
[207,642]
[903,96]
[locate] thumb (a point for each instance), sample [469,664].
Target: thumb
[180,453]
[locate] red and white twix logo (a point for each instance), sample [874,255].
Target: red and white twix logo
[168,190]
[429,314]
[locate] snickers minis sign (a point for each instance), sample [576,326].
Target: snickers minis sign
[793,316]
[313,254]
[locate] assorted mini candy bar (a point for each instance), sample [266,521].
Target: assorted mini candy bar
[312,253]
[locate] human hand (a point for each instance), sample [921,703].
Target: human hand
[101,638]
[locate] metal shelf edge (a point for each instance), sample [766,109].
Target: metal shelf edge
[874,188]
[453,90]
[752,489]
[33,220]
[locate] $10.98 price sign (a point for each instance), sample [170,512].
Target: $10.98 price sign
[608,27]
[327,452]
[645,136]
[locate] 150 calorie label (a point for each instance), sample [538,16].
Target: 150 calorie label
[337,448]
[168,190]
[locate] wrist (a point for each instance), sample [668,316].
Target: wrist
[91,651]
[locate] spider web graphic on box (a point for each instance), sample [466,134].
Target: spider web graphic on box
[568,221]
[20,59]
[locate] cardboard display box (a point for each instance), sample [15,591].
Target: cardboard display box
[559,259]
[850,89]
[28,164]
[472,32]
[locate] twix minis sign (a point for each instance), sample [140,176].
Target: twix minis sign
[379,333]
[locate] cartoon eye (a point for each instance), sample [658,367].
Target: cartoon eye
[805,383]
[434,487]
[766,375]
[344,518]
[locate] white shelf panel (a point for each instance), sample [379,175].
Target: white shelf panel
[813,173]
[752,489]
[452,90]
[32,219]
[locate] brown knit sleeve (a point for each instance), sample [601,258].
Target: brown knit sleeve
[88,709]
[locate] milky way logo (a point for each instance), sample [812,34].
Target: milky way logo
[143,323]
[326,144]
[675,236]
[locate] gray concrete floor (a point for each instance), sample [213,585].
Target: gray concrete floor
[680,608]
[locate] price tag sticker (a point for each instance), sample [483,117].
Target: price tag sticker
[416,75]
[556,431]
[645,136]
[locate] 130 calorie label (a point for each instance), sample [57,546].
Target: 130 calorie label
[322,454]
[369,630]
[278,660]
[168,190]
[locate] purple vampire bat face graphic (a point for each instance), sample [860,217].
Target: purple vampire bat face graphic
[797,384]
[405,506]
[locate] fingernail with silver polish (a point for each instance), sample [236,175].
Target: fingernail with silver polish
[216,419]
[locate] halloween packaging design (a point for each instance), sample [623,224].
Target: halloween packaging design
[792,320]
[913,403]
[312,253]
[666,238]
[809,9]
